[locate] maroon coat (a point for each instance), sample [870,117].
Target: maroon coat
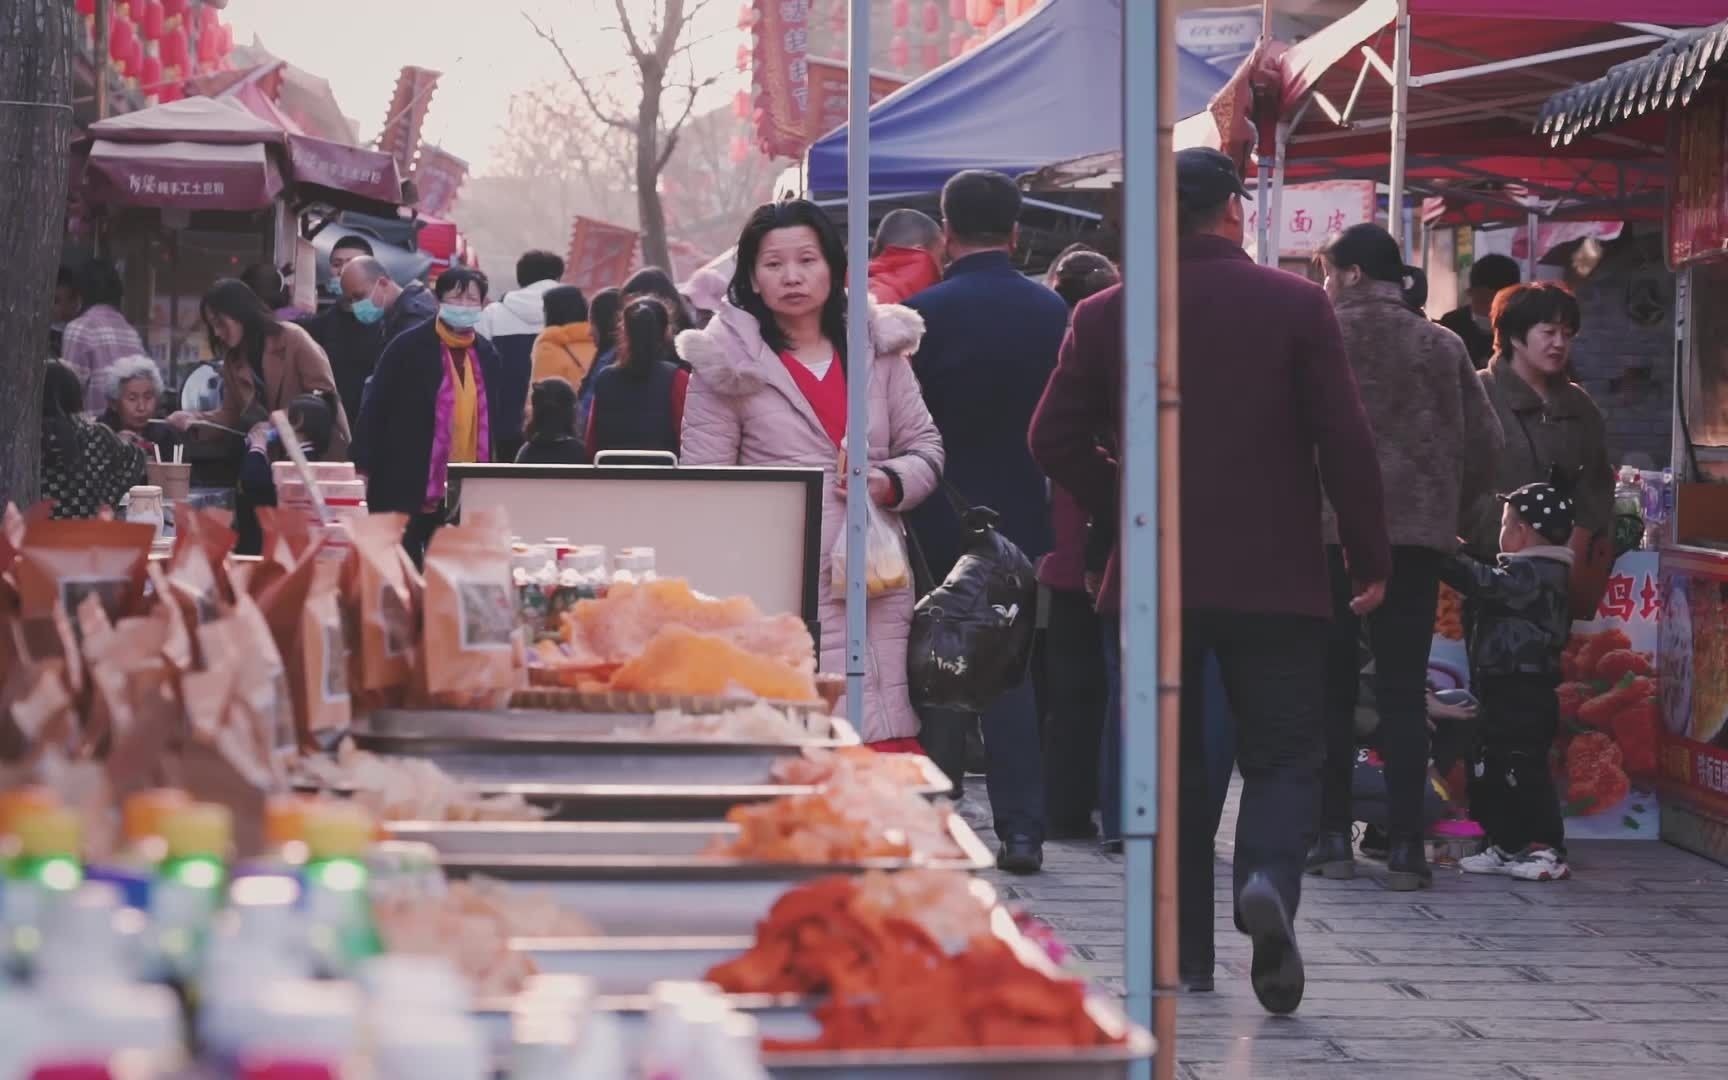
[1267,395]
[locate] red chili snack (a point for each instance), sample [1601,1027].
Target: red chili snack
[1620,663]
[1572,696]
[1596,647]
[1637,731]
[1600,710]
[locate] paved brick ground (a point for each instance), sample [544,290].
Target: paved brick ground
[1621,972]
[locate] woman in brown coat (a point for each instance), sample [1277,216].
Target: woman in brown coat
[266,363]
[1548,419]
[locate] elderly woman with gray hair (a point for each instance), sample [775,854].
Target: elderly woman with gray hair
[132,387]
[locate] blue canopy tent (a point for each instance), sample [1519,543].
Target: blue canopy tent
[1047,89]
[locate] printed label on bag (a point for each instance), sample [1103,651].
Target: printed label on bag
[396,623]
[487,615]
[335,681]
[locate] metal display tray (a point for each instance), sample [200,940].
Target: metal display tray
[526,747]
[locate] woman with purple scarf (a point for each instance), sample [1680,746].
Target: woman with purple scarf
[426,408]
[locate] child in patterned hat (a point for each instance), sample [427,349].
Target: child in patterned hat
[1520,626]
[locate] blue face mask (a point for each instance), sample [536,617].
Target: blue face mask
[366,311]
[458,318]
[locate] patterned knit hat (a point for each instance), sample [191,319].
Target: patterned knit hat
[1545,508]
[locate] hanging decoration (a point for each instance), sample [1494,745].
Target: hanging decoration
[900,51]
[930,55]
[746,17]
[741,104]
[957,10]
[932,16]
[956,43]
[151,23]
[902,12]
[740,150]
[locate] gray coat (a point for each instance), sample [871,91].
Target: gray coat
[1434,431]
[1566,430]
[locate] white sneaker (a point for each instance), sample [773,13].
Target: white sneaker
[1539,864]
[1490,860]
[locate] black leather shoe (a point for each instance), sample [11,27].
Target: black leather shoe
[1020,855]
[1277,972]
[1407,866]
[1331,857]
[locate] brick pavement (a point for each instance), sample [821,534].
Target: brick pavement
[1621,972]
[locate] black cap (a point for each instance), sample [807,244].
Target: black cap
[1544,508]
[1205,178]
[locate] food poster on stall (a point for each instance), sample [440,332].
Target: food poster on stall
[1606,756]
[1694,750]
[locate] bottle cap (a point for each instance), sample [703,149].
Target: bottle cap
[23,800]
[285,819]
[200,829]
[144,812]
[48,832]
[338,831]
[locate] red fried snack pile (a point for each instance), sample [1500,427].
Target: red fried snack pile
[1611,719]
[871,944]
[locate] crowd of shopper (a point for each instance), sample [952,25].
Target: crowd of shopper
[1341,457]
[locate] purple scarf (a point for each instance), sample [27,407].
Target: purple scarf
[444,423]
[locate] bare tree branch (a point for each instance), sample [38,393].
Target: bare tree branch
[605,116]
[671,133]
[629,31]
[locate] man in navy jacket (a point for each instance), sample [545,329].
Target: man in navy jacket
[990,342]
[1270,414]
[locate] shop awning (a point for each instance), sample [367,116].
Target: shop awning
[1046,89]
[351,177]
[192,154]
[1659,81]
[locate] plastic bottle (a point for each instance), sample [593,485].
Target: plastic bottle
[43,873]
[338,903]
[259,941]
[1628,511]
[12,804]
[189,883]
[284,839]
[420,1027]
[142,846]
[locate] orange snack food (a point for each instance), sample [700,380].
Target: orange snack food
[619,626]
[678,660]
[807,829]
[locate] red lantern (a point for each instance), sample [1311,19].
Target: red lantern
[169,91]
[173,8]
[743,58]
[227,39]
[932,16]
[746,17]
[172,49]
[956,43]
[902,10]
[151,23]
[151,73]
[956,9]
[980,12]
[119,37]
[900,51]
[209,43]
[133,62]
[930,56]
[837,16]
[740,150]
[741,104]
[86,8]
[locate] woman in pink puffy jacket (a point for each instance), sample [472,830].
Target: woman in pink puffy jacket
[769,389]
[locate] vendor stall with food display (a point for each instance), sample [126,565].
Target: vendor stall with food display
[1679,94]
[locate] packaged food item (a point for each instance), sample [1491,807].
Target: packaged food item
[63,561]
[190,882]
[384,658]
[886,569]
[337,902]
[144,507]
[473,645]
[682,661]
[320,662]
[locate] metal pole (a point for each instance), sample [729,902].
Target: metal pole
[1272,202]
[100,67]
[857,349]
[1532,253]
[1149,626]
[1400,121]
[1263,211]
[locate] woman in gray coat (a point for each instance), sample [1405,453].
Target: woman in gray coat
[1436,439]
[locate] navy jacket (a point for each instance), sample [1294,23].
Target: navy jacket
[395,449]
[990,342]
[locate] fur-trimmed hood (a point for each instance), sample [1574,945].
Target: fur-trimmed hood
[730,355]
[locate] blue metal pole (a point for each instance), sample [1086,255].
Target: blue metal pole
[857,349]
[1144,269]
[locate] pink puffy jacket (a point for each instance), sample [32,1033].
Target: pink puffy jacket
[744,409]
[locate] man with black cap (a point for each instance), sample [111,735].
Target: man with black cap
[1270,413]
[1522,622]
[1489,275]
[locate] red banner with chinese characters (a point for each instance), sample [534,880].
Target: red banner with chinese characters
[1607,756]
[781,76]
[829,91]
[1697,191]
[1695,701]
[1309,213]
[601,255]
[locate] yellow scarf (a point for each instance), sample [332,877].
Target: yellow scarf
[465,428]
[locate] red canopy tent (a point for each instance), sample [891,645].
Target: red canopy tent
[1441,96]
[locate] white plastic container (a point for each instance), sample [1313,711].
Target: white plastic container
[144,506]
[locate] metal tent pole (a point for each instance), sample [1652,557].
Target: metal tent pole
[1151,667]
[1400,121]
[1532,253]
[857,349]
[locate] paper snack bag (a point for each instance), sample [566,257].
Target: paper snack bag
[63,561]
[472,651]
[224,758]
[320,664]
[377,591]
[244,638]
[137,686]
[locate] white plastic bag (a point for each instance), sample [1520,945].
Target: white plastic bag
[887,568]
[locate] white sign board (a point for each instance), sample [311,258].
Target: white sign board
[1309,213]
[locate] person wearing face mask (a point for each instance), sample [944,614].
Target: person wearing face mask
[266,363]
[1436,438]
[373,310]
[1549,422]
[428,407]
[1474,321]
[769,389]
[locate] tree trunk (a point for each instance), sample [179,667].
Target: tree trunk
[648,205]
[35,130]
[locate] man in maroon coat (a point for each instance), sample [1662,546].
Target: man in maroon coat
[1270,413]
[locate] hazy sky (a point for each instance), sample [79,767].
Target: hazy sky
[485,49]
